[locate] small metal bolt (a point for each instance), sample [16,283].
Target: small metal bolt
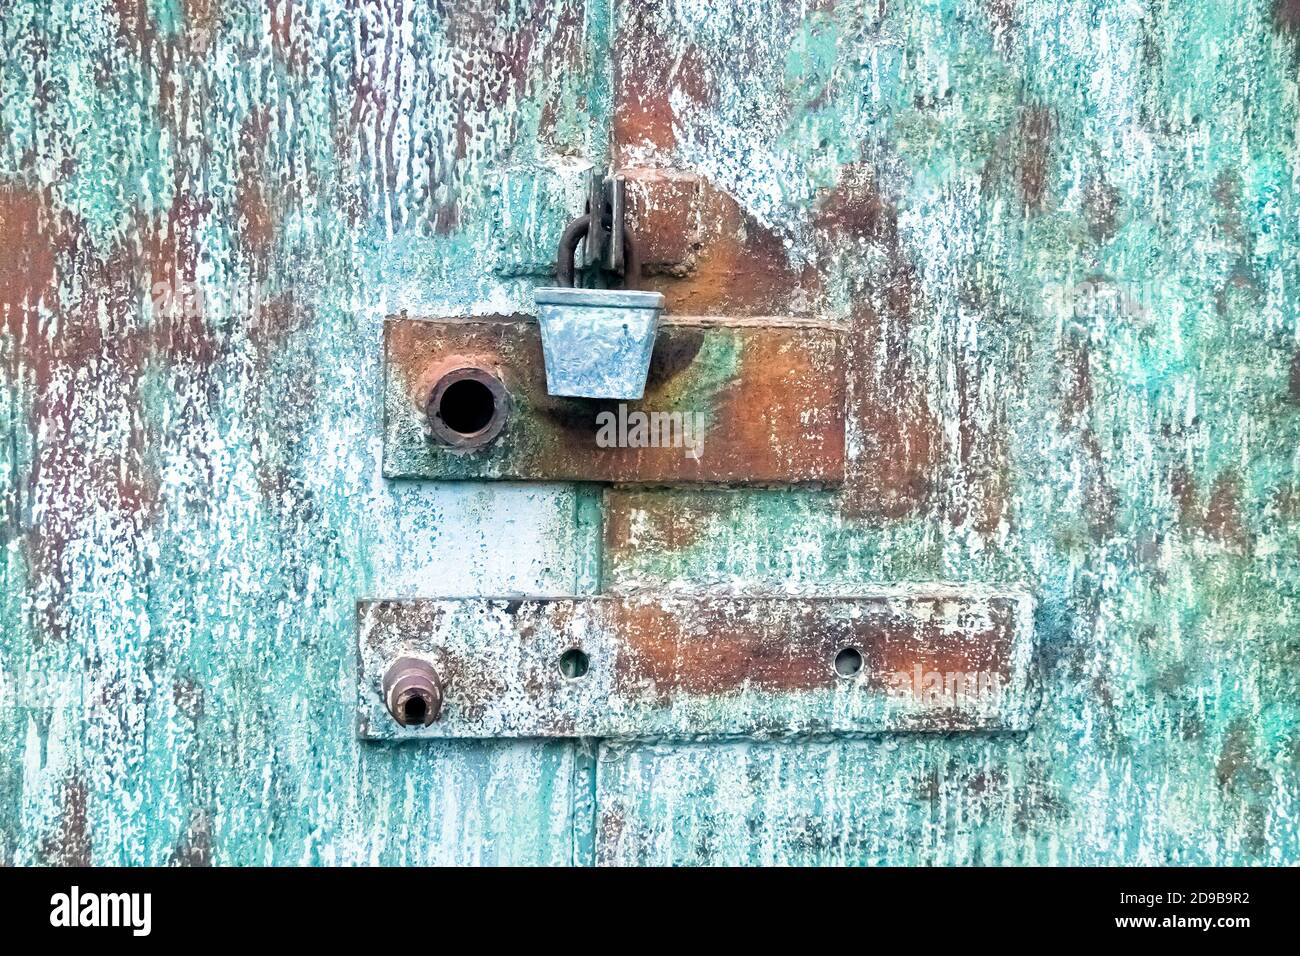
[413,692]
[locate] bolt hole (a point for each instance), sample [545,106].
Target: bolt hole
[414,710]
[848,662]
[467,406]
[574,663]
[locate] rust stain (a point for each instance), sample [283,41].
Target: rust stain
[290,41]
[1076,388]
[285,399]
[27,268]
[981,782]
[496,59]
[1220,518]
[906,648]
[201,20]
[1037,130]
[1182,485]
[1101,501]
[196,847]
[1002,18]
[102,348]
[1223,519]
[649,522]
[790,645]
[69,845]
[1240,285]
[982,494]
[777,418]
[613,828]
[664,208]
[446,218]
[648,70]
[274,324]
[187,695]
[720,656]
[785,402]
[1286,16]
[1235,762]
[133,23]
[741,267]
[547,38]
[1101,498]
[894,475]
[180,335]
[258,221]
[565,51]
[1227,195]
[856,210]
[1101,208]
[1286,499]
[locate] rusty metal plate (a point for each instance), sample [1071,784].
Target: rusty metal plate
[728,401]
[935,658]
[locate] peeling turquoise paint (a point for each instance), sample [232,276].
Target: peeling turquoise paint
[1062,238]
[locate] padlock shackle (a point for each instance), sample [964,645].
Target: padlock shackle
[569,247]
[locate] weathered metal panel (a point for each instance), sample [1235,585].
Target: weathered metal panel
[1061,236]
[698,666]
[206,210]
[762,401]
[1064,236]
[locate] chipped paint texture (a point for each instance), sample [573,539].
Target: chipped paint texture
[693,667]
[763,400]
[1061,237]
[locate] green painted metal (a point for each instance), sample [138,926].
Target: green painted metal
[1063,236]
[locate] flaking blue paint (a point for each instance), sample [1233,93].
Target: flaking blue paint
[1080,267]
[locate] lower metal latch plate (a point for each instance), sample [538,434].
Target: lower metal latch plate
[921,658]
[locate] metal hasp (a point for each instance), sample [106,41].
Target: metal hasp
[727,401]
[603,242]
[597,343]
[924,658]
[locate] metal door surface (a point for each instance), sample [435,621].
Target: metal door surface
[1055,244]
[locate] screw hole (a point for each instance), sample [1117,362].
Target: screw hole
[574,663]
[414,710]
[848,662]
[467,406]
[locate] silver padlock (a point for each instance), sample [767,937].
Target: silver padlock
[597,343]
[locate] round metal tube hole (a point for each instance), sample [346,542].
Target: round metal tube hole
[848,662]
[413,692]
[414,709]
[467,408]
[574,664]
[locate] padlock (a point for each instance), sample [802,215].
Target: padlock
[597,343]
